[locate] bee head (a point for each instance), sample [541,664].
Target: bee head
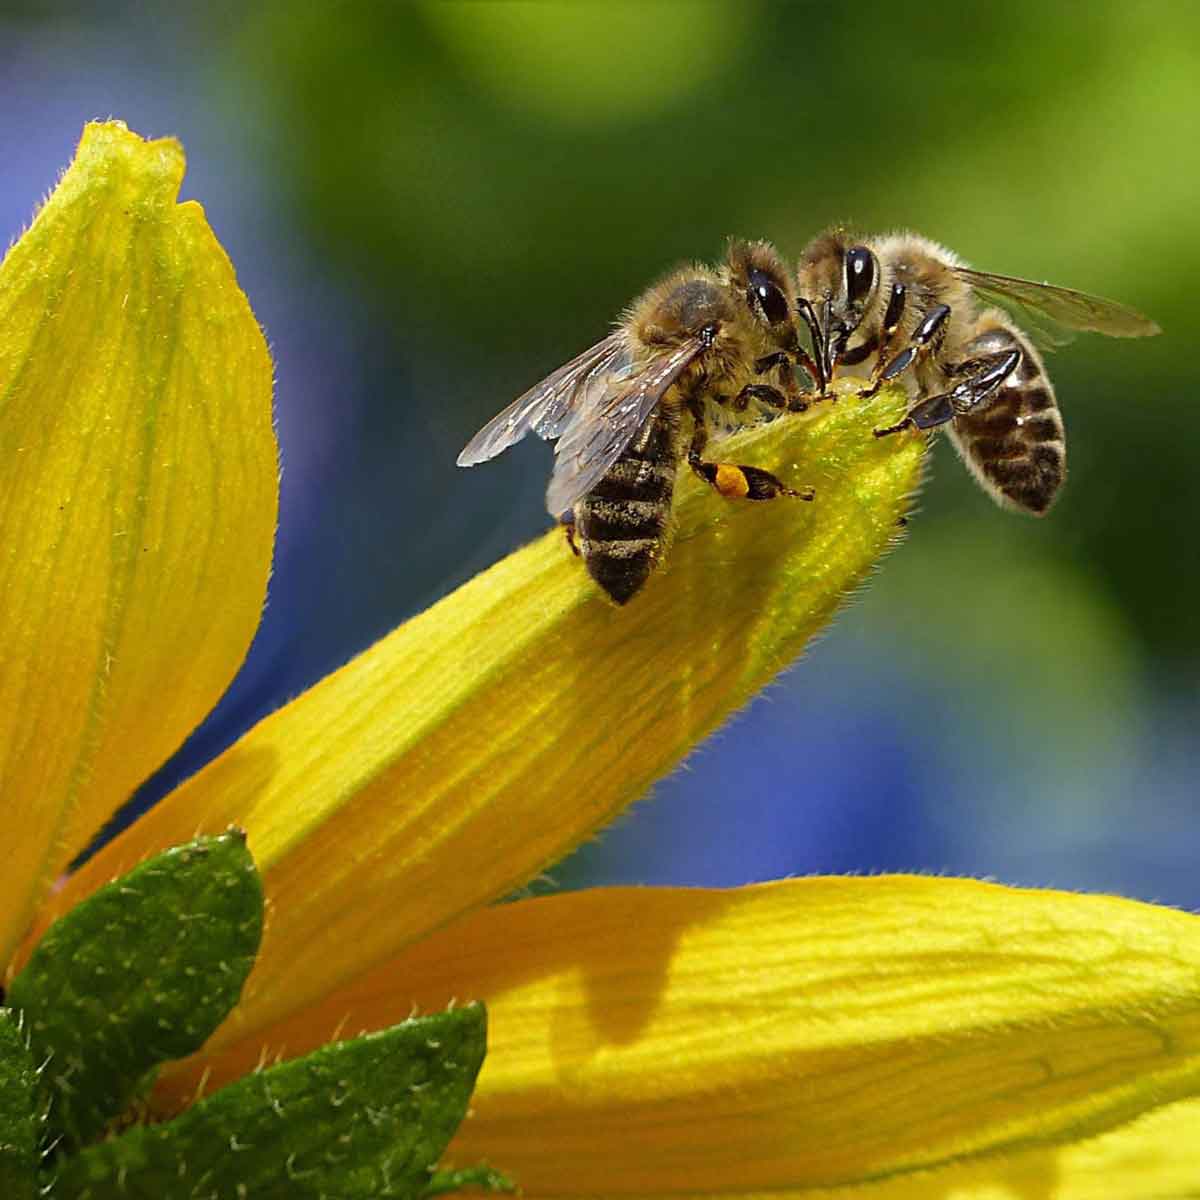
[839,278]
[757,274]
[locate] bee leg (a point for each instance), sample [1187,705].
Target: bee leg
[983,377]
[780,360]
[812,362]
[768,395]
[737,482]
[881,342]
[790,398]
[568,523]
[860,353]
[924,341]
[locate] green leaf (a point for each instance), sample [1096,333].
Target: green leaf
[141,972]
[362,1118]
[19,1125]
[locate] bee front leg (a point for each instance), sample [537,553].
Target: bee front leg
[983,377]
[735,481]
[860,353]
[789,399]
[881,342]
[812,362]
[926,338]
[781,361]
[769,395]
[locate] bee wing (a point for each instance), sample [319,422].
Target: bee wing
[1069,308]
[546,407]
[600,428]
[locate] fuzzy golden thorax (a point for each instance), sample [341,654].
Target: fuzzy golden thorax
[926,269]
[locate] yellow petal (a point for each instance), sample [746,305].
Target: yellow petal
[1154,1158]
[495,731]
[818,1033]
[139,495]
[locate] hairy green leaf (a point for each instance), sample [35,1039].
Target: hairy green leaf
[141,972]
[19,1124]
[364,1118]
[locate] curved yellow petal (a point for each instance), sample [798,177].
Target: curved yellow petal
[492,733]
[817,1033]
[137,507]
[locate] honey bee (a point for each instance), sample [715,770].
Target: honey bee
[698,345]
[915,307]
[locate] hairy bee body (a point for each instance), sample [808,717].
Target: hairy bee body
[911,307]
[627,412]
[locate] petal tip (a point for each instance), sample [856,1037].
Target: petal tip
[106,143]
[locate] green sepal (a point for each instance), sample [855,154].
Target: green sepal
[20,1128]
[141,972]
[362,1118]
[483,1179]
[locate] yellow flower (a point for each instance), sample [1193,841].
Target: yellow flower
[892,1036]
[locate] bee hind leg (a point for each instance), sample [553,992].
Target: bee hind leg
[736,481]
[567,521]
[983,377]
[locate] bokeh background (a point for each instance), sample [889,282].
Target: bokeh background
[431,205]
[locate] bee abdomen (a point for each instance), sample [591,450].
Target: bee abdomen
[622,522]
[636,479]
[603,521]
[1027,470]
[621,540]
[622,567]
[1015,444]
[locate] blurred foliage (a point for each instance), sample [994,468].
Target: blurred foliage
[505,176]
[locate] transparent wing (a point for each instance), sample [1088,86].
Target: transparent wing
[599,429]
[1069,308]
[546,407]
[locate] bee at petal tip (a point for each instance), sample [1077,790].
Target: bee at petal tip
[701,351]
[903,307]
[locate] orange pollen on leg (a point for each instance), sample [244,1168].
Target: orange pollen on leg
[731,481]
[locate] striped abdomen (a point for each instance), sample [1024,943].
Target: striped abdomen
[622,523]
[1014,444]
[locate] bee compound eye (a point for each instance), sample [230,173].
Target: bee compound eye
[765,294]
[860,273]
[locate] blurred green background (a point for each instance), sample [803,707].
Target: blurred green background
[431,205]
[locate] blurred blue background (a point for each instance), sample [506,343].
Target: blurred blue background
[431,205]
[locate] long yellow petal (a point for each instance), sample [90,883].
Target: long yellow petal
[817,1033]
[1154,1158]
[137,496]
[489,735]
